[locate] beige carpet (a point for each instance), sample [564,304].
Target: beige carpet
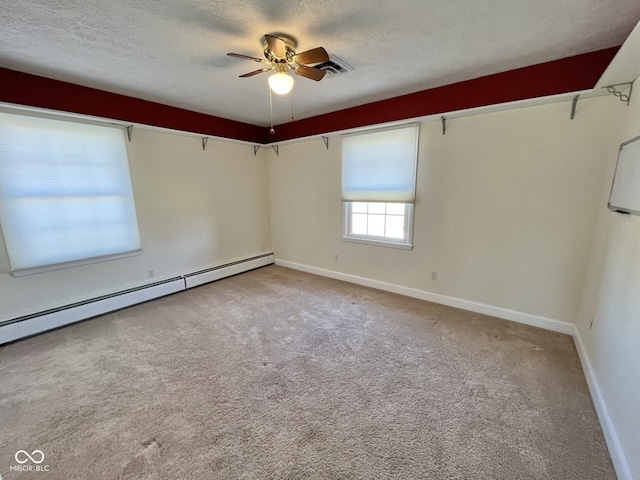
[281,374]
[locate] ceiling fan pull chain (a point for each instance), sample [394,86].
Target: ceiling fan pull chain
[271,131]
[292,119]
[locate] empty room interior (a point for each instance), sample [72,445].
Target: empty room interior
[325,240]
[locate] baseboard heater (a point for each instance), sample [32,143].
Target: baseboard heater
[216,273]
[33,324]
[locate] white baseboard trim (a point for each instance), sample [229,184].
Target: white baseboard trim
[619,459]
[504,313]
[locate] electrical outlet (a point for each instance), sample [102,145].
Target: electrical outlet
[151,273]
[434,274]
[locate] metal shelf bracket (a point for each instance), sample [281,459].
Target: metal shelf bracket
[275,149]
[619,92]
[129,132]
[255,149]
[574,104]
[326,142]
[444,125]
[204,143]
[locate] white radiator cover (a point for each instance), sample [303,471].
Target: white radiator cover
[41,322]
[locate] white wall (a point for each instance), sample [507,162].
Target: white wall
[196,209]
[505,208]
[611,300]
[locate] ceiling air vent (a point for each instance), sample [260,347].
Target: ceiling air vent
[335,66]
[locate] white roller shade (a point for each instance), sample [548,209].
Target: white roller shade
[65,192]
[380,166]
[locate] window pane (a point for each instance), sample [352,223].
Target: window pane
[375,207]
[359,207]
[395,226]
[395,208]
[379,227]
[376,225]
[359,224]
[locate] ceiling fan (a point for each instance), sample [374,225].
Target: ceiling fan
[280,56]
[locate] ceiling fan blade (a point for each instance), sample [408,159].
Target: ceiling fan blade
[255,72]
[276,45]
[247,57]
[310,72]
[315,55]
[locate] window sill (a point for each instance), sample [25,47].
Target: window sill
[379,243]
[73,263]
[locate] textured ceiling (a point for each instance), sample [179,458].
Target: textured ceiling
[174,52]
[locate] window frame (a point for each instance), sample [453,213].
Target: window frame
[371,173]
[404,244]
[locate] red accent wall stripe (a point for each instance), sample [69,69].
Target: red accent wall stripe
[580,72]
[32,90]
[569,74]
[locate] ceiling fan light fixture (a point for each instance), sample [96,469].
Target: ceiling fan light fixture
[281,83]
[280,56]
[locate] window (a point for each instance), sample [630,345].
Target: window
[65,193]
[378,221]
[378,186]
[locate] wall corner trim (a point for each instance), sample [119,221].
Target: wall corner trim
[619,459]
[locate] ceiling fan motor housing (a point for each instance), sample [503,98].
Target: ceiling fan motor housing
[289,49]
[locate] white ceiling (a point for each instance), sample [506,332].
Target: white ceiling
[174,52]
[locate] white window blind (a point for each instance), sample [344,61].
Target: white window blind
[380,166]
[65,193]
